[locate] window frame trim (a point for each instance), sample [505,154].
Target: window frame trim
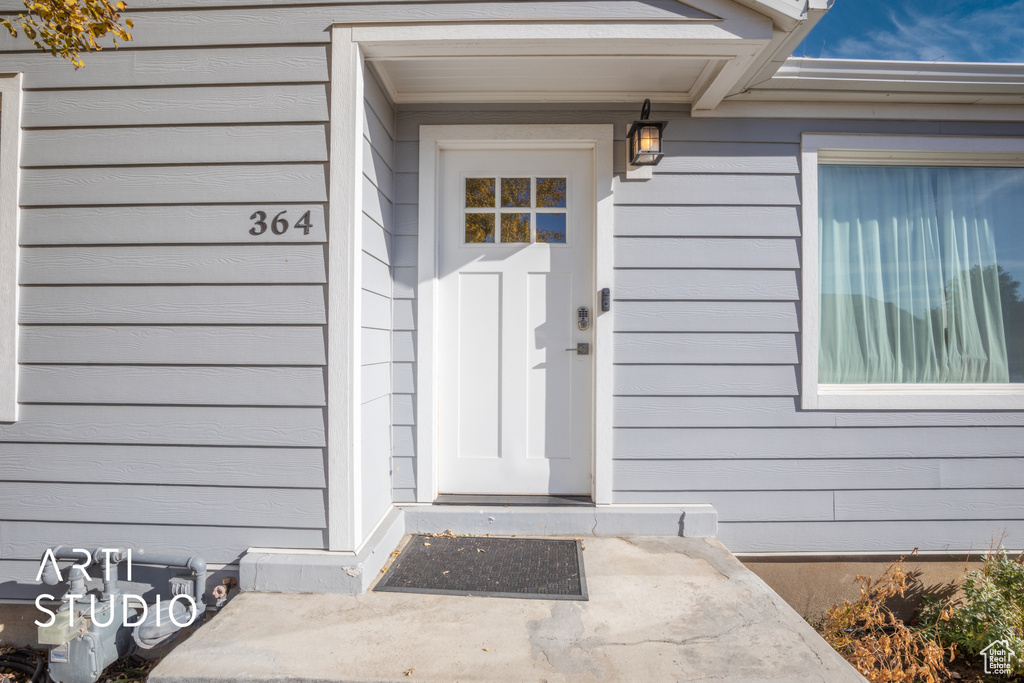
[896,150]
[10,172]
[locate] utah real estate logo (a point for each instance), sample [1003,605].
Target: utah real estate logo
[997,657]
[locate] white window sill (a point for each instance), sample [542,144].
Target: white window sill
[918,397]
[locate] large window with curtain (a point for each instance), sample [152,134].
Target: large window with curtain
[918,300]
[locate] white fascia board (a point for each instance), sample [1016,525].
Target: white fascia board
[812,97]
[836,88]
[391,41]
[786,14]
[876,75]
[781,49]
[888,110]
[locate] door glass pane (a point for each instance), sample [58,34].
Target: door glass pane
[551,228]
[551,192]
[515,192]
[479,228]
[515,227]
[480,193]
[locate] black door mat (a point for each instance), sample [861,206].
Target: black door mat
[512,501]
[498,567]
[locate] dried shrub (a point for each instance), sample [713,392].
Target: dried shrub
[881,647]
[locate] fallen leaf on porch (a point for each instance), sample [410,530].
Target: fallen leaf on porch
[425,543]
[383,569]
[487,649]
[447,534]
[445,571]
[396,553]
[408,672]
[480,550]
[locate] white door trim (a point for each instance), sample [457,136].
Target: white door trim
[433,139]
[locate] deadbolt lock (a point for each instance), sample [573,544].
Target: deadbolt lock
[583,318]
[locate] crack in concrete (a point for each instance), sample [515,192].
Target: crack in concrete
[686,641]
[559,637]
[719,559]
[814,650]
[256,573]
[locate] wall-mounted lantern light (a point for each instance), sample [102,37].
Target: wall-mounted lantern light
[644,139]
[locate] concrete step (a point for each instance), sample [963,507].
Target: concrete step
[280,570]
[693,521]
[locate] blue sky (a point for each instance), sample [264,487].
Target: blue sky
[924,30]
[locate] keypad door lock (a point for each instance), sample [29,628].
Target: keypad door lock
[581,349]
[583,318]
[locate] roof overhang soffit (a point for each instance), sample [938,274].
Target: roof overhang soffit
[695,52]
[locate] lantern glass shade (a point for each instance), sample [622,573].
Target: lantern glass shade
[645,143]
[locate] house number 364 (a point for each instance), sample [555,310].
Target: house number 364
[278,224]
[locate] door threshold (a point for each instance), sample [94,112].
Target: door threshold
[512,501]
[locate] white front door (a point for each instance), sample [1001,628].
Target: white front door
[515,267]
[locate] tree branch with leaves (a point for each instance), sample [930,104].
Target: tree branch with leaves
[67,28]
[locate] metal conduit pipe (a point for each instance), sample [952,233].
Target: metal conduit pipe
[196,565]
[110,589]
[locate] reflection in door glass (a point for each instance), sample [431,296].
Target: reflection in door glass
[480,193]
[515,227]
[515,192]
[480,228]
[551,228]
[551,192]
[535,216]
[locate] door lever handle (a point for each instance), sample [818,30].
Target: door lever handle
[581,349]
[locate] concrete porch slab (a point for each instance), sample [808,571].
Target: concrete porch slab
[660,609]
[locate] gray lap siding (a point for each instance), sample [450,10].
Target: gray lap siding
[707,356]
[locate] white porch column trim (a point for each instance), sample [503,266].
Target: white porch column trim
[10,170]
[344,282]
[599,137]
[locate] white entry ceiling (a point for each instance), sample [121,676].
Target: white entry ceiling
[622,51]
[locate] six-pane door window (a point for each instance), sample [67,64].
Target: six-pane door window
[519,210]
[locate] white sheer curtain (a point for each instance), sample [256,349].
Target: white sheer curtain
[909,276]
